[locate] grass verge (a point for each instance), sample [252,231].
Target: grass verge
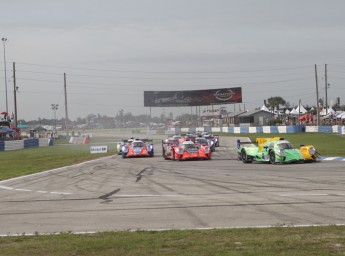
[328,240]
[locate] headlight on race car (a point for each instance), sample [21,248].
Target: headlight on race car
[282,152]
[149,147]
[124,149]
[207,150]
[179,151]
[312,150]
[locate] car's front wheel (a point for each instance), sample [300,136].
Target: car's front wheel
[272,157]
[245,158]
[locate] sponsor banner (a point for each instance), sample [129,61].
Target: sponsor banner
[192,98]
[98,149]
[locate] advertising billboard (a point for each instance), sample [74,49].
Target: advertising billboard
[192,98]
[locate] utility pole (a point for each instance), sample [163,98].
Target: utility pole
[15,94]
[4,40]
[66,112]
[326,88]
[317,98]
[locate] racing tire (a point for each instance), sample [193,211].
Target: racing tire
[152,154]
[245,158]
[272,157]
[123,155]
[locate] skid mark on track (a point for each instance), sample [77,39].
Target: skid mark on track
[39,191]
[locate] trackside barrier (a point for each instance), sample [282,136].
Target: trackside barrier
[27,143]
[263,129]
[79,140]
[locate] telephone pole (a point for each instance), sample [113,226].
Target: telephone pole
[326,85]
[15,94]
[66,111]
[317,98]
[4,40]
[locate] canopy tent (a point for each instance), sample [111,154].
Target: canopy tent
[22,126]
[324,112]
[341,115]
[306,117]
[301,110]
[8,130]
[265,108]
[293,112]
[39,128]
[287,112]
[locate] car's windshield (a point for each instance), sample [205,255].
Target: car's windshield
[137,144]
[188,146]
[285,145]
[201,141]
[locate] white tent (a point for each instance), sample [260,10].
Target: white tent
[340,114]
[293,112]
[265,108]
[287,111]
[329,111]
[301,110]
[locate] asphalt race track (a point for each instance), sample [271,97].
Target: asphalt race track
[112,194]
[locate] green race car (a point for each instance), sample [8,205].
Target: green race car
[270,150]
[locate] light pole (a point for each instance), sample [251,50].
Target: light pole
[4,40]
[55,107]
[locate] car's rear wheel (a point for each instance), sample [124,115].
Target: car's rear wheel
[272,157]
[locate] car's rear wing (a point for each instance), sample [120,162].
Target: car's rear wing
[240,143]
[164,142]
[262,141]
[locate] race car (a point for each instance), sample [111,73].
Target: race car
[186,150]
[122,143]
[189,136]
[274,150]
[213,138]
[204,142]
[137,148]
[309,153]
[173,139]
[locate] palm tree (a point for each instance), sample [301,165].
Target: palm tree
[275,102]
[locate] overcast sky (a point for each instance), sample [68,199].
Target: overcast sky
[112,51]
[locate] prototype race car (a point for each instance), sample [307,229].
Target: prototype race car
[214,139]
[186,150]
[174,139]
[274,150]
[204,142]
[137,148]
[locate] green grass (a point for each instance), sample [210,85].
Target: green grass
[251,241]
[32,160]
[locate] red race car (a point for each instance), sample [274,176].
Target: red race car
[186,150]
[137,148]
